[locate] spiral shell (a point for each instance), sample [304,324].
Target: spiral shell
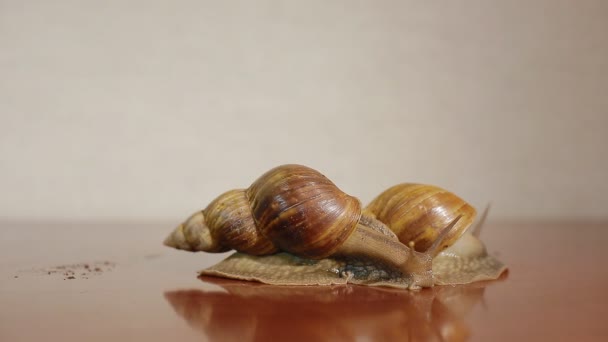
[290,208]
[302,212]
[418,213]
[232,226]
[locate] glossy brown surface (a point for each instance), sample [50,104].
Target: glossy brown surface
[127,286]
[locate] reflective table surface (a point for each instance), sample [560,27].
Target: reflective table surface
[103,281]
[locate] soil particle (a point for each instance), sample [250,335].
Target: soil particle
[80,270]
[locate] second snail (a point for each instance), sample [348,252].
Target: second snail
[293,226]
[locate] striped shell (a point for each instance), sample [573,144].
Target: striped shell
[302,212]
[290,208]
[232,226]
[417,214]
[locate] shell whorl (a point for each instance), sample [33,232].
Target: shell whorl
[225,224]
[290,208]
[302,211]
[418,213]
[232,226]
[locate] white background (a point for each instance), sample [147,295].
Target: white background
[146,110]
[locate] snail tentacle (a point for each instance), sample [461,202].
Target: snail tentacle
[476,230]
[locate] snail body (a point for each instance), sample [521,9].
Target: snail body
[294,226]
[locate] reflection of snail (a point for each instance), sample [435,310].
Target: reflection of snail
[323,232]
[257,312]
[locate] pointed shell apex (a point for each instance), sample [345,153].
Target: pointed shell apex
[177,239]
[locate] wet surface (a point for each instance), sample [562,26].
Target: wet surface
[136,289]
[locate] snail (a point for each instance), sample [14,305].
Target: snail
[293,226]
[418,213]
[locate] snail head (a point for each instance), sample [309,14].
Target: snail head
[420,265]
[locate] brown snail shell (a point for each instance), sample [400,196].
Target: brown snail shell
[291,208]
[302,212]
[418,213]
[232,226]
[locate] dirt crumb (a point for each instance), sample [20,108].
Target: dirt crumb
[79,270]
